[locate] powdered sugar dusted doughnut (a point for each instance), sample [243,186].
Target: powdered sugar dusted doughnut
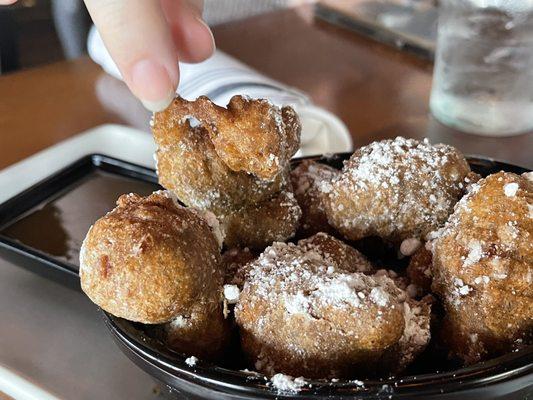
[483,268]
[302,315]
[396,189]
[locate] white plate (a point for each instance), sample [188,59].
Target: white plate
[112,140]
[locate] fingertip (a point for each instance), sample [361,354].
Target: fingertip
[159,105]
[151,82]
[209,40]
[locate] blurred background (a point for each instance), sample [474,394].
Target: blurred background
[373,65]
[37,32]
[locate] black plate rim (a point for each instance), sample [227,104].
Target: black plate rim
[494,371]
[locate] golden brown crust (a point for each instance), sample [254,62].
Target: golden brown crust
[337,253]
[208,166]
[259,225]
[202,332]
[249,135]
[482,268]
[307,179]
[299,315]
[149,259]
[188,165]
[396,189]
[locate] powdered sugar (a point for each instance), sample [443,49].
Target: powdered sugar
[459,289]
[306,282]
[482,279]
[286,383]
[416,333]
[231,293]
[510,189]
[179,322]
[475,253]
[379,296]
[191,361]
[297,303]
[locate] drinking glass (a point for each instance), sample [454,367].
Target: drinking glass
[483,76]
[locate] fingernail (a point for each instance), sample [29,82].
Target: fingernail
[159,105]
[151,83]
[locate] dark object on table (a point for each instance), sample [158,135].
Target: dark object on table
[9,53]
[408,25]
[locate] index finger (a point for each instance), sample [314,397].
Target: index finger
[136,34]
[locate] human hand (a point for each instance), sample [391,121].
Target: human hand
[147,37]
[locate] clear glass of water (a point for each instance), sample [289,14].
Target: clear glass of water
[483,77]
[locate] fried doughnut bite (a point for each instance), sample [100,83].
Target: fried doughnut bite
[483,268]
[396,189]
[249,135]
[189,166]
[254,208]
[203,331]
[337,253]
[150,260]
[307,179]
[300,315]
[259,225]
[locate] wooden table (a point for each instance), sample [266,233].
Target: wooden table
[378,91]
